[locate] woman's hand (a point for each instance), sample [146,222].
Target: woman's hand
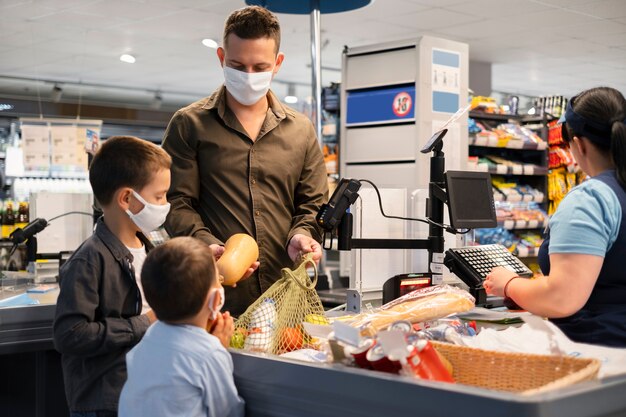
[496,280]
[223,328]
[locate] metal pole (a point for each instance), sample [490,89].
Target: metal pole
[316,66]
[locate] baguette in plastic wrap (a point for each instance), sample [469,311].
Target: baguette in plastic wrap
[421,305]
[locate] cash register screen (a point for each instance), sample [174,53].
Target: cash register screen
[470,200]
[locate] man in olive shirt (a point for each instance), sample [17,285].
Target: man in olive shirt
[244,163]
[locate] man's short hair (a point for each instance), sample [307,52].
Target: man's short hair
[176,277]
[253,22]
[125,161]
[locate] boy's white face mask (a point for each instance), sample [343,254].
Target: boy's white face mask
[151,216]
[215,312]
[247,87]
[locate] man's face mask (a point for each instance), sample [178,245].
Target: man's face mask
[247,87]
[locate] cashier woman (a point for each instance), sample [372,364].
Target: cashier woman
[583,256]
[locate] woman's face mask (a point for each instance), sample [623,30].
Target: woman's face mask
[151,216]
[247,87]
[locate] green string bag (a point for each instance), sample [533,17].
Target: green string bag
[273,323]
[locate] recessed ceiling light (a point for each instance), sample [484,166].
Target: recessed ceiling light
[291,99]
[129,59]
[209,43]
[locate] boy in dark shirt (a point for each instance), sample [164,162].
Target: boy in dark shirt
[99,310]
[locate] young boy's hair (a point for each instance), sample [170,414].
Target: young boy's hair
[125,161]
[253,22]
[177,276]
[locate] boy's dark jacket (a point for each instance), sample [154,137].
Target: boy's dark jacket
[98,320]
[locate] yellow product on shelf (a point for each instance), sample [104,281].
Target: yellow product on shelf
[487,104]
[560,182]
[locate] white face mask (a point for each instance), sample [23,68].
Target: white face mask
[151,216]
[247,87]
[214,312]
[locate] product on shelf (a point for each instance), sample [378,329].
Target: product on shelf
[551,105]
[331,158]
[505,135]
[522,215]
[560,182]
[486,104]
[8,219]
[510,190]
[499,165]
[564,172]
[521,244]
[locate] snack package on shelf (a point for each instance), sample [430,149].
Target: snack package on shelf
[485,104]
[421,305]
[555,137]
[521,137]
[505,135]
[505,166]
[522,215]
[509,190]
[560,182]
[521,244]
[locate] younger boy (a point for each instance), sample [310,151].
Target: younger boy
[179,369]
[98,315]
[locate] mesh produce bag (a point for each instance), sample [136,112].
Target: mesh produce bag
[273,323]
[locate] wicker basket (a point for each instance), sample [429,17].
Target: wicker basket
[516,372]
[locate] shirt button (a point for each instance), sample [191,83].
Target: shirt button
[258,213]
[253,181]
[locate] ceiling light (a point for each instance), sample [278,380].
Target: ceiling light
[209,43]
[5,106]
[291,99]
[532,111]
[129,59]
[56,93]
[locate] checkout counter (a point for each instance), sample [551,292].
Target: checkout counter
[274,386]
[32,379]
[32,384]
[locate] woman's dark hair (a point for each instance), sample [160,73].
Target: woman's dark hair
[606,106]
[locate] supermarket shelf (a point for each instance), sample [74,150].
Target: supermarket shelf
[492,142]
[522,224]
[537,119]
[526,252]
[514,170]
[519,198]
[491,116]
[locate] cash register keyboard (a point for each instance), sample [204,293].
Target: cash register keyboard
[485,257]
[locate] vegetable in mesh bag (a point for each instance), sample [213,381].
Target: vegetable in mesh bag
[273,323]
[425,304]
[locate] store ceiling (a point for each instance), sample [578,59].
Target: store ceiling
[537,47]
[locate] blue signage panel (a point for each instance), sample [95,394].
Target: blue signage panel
[379,105]
[445,102]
